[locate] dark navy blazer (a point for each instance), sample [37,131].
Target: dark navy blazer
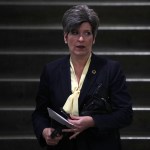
[54,89]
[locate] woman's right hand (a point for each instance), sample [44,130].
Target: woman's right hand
[47,136]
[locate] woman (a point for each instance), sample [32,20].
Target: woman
[78,84]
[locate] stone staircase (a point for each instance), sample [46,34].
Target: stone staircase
[31,35]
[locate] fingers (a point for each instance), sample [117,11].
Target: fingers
[51,142]
[74,117]
[74,135]
[68,130]
[71,130]
[47,136]
[54,141]
[75,131]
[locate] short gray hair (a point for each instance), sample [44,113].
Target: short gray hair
[78,14]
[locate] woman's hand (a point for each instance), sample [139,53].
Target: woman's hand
[47,136]
[80,123]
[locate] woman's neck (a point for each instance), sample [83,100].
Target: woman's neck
[79,61]
[79,64]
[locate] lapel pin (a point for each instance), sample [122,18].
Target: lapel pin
[93,71]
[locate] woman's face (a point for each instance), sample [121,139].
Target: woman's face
[80,40]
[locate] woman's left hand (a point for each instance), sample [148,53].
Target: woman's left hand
[80,123]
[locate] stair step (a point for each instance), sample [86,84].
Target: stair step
[22,93]
[32,144]
[135,144]
[140,124]
[18,94]
[31,13]
[18,122]
[46,40]
[17,143]
[30,66]
[140,93]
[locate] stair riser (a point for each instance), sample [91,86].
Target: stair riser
[46,14]
[29,66]
[46,40]
[22,94]
[33,145]
[18,122]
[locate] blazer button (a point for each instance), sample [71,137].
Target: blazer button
[93,71]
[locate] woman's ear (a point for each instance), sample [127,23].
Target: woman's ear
[65,37]
[94,40]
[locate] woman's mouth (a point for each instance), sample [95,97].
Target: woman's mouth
[80,46]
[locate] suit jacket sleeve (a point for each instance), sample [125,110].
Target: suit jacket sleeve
[40,116]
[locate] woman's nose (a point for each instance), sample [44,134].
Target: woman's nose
[81,38]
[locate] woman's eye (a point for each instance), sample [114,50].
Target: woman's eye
[74,33]
[87,33]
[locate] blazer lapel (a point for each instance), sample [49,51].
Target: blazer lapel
[90,80]
[65,79]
